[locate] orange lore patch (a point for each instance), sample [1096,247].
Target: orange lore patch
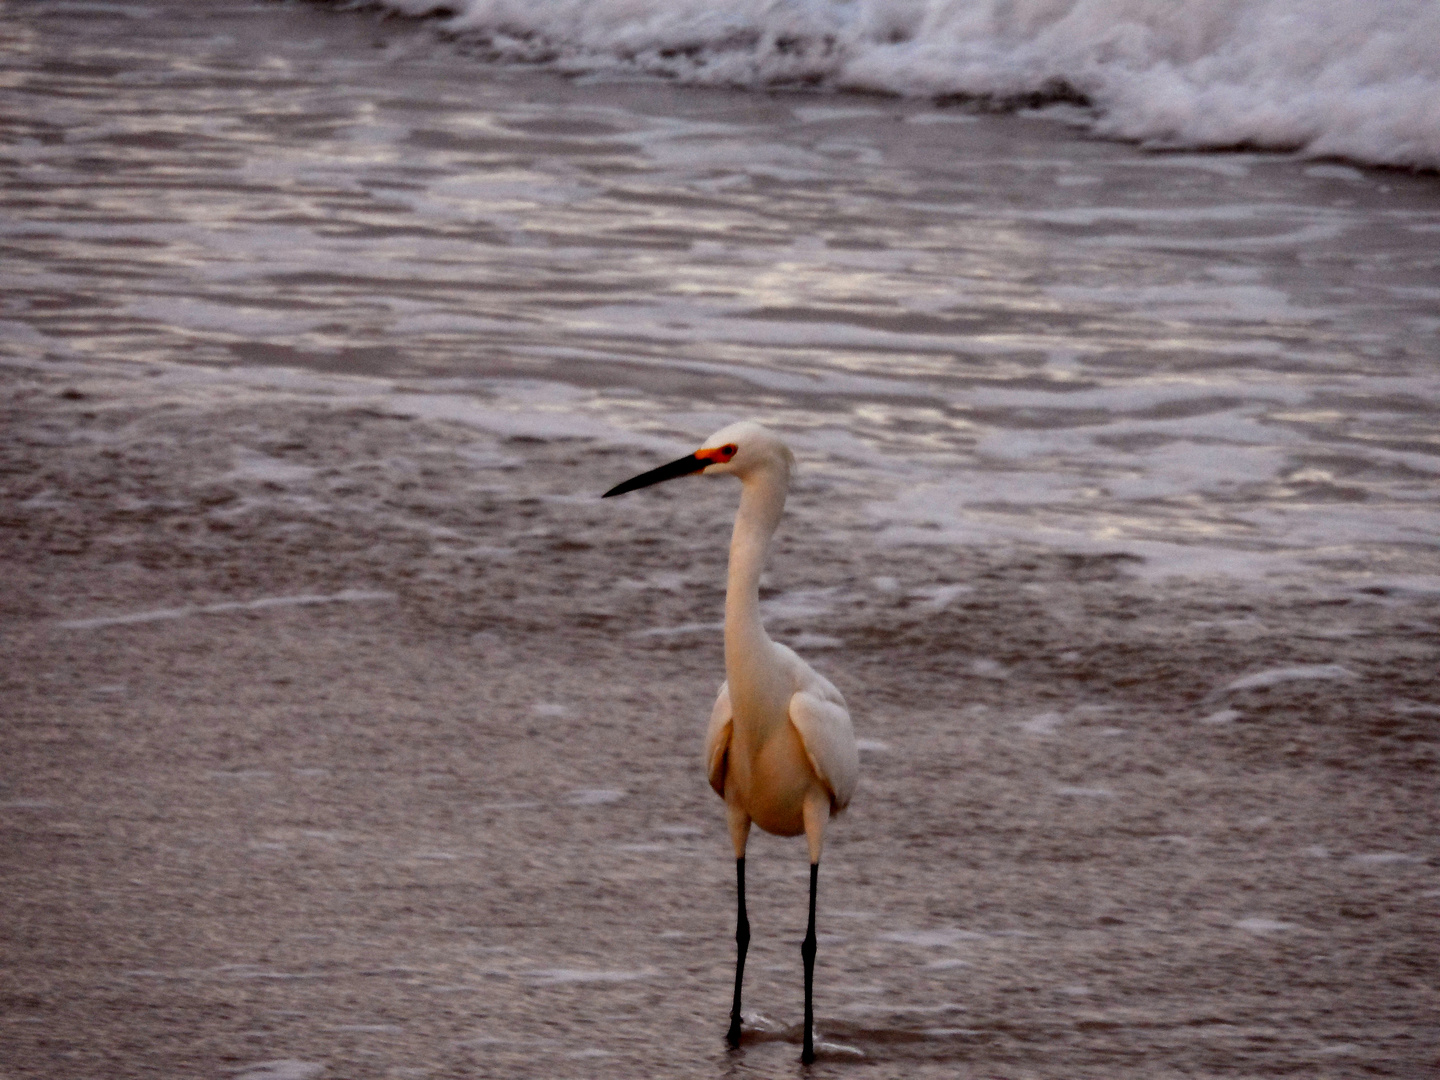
[718,454]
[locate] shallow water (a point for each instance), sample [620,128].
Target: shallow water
[384,764]
[988,328]
[984,328]
[356,746]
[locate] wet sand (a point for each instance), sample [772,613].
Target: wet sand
[346,733]
[340,741]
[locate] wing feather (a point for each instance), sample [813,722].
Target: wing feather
[717,740]
[823,722]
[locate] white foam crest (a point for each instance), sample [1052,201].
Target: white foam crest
[1384,858]
[345,596]
[1274,676]
[552,976]
[1259,925]
[1044,724]
[1329,77]
[594,797]
[282,1069]
[930,939]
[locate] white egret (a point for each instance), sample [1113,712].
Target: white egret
[779,749]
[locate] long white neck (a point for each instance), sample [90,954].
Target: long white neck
[762,501]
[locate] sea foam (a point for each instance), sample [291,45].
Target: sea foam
[1326,77]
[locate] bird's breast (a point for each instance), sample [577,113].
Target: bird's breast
[770,774]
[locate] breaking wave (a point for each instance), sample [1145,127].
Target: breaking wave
[1329,78]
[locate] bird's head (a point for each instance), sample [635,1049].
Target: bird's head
[740,449]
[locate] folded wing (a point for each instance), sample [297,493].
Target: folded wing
[823,722]
[717,740]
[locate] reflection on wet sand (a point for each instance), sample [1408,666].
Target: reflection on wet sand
[1216,364]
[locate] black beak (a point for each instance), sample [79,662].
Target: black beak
[684,467]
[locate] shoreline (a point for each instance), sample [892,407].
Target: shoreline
[406,779]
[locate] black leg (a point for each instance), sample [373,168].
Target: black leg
[807,950]
[742,945]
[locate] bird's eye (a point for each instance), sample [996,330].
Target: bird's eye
[729,449]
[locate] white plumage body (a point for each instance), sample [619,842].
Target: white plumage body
[779,748]
[772,757]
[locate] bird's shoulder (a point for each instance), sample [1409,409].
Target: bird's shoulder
[806,680]
[721,710]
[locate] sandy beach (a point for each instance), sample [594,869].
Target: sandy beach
[323,747]
[346,733]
